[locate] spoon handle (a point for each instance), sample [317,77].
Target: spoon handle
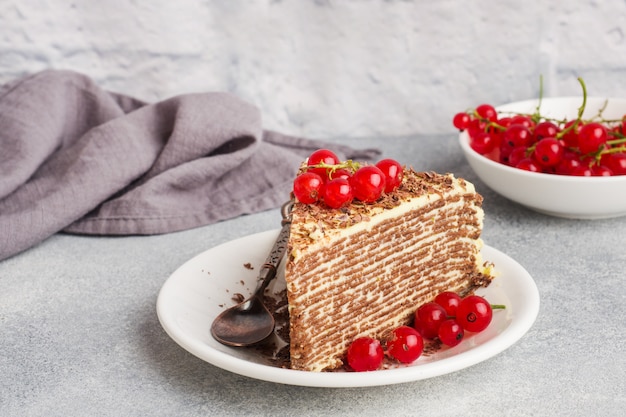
[269,268]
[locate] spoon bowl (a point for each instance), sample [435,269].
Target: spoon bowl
[246,323]
[250,321]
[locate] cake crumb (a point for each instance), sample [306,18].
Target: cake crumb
[431,347]
[248,265]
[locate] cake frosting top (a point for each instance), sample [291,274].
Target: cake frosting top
[315,220]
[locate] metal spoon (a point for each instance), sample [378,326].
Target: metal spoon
[250,321]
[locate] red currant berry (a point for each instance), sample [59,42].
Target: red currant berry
[518,135]
[601,171]
[337,193]
[461,121]
[568,164]
[548,152]
[368,183]
[494,155]
[428,317]
[450,332]
[487,112]
[570,136]
[323,156]
[505,152]
[527,164]
[582,171]
[365,354]
[616,162]
[545,129]
[474,313]
[517,154]
[307,187]
[522,120]
[475,126]
[449,301]
[406,344]
[482,142]
[393,173]
[591,137]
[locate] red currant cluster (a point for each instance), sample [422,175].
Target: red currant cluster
[447,318]
[337,183]
[594,147]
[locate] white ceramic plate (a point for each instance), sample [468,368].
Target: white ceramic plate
[204,286]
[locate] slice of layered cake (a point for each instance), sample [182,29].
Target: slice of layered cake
[362,269]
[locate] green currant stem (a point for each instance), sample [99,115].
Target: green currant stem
[495,126]
[348,164]
[613,150]
[599,116]
[536,116]
[540,93]
[605,151]
[616,141]
[581,110]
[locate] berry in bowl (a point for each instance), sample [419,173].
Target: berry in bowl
[562,156]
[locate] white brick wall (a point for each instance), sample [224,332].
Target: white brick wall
[327,68]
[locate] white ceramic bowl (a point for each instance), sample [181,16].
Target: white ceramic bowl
[556,195]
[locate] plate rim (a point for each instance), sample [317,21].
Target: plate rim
[515,330]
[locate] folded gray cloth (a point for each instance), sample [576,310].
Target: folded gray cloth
[79,159]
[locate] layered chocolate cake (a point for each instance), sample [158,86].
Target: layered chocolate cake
[362,270]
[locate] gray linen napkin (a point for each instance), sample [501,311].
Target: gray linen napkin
[79,159]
